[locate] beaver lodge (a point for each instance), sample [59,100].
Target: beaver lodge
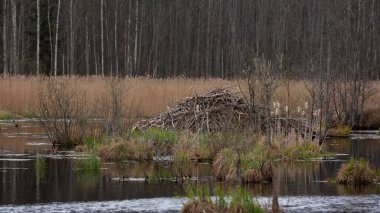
[218,110]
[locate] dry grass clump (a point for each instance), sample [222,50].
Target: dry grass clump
[141,146]
[254,165]
[356,171]
[119,150]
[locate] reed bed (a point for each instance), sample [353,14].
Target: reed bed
[145,96]
[148,97]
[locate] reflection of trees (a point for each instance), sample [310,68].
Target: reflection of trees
[365,148]
[344,189]
[295,176]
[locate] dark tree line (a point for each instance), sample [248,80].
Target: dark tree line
[196,38]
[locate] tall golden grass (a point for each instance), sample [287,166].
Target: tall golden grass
[144,97]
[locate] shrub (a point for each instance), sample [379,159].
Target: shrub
[112,107]
[63,114]
[356,171]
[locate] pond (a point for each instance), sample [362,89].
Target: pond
[301,185]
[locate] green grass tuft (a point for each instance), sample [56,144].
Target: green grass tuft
[238,200]
[161,135]
[40,167]
[6,115]
[30,114]
[90,164]
[340,131]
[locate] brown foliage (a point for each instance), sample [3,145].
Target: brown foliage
[355,172]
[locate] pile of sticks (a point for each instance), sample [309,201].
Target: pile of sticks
[220,110]
[211,112]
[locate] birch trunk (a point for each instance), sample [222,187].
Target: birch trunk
[94,46]
[87,51]
[14,63]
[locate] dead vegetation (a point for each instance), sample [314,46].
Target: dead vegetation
[356,171]
[63,115]
[120,150]
[209,112]
[147,97]
[251,165]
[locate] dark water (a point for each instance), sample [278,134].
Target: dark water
[301,185]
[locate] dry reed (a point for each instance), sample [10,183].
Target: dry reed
[356,171]
[147,97]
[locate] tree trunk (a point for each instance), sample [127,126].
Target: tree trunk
[5,51]
[102,34]
[87,51]
[94,47]
[116,56]
[50,41]
[56,40]
[71,58]
[136,36]
[38,39]
[14,63]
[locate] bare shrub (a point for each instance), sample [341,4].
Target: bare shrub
[63,113]
[112,107]
[263,80]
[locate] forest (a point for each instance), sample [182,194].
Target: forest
[198,38]
[190,105]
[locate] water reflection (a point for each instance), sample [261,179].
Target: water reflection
[27,179]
